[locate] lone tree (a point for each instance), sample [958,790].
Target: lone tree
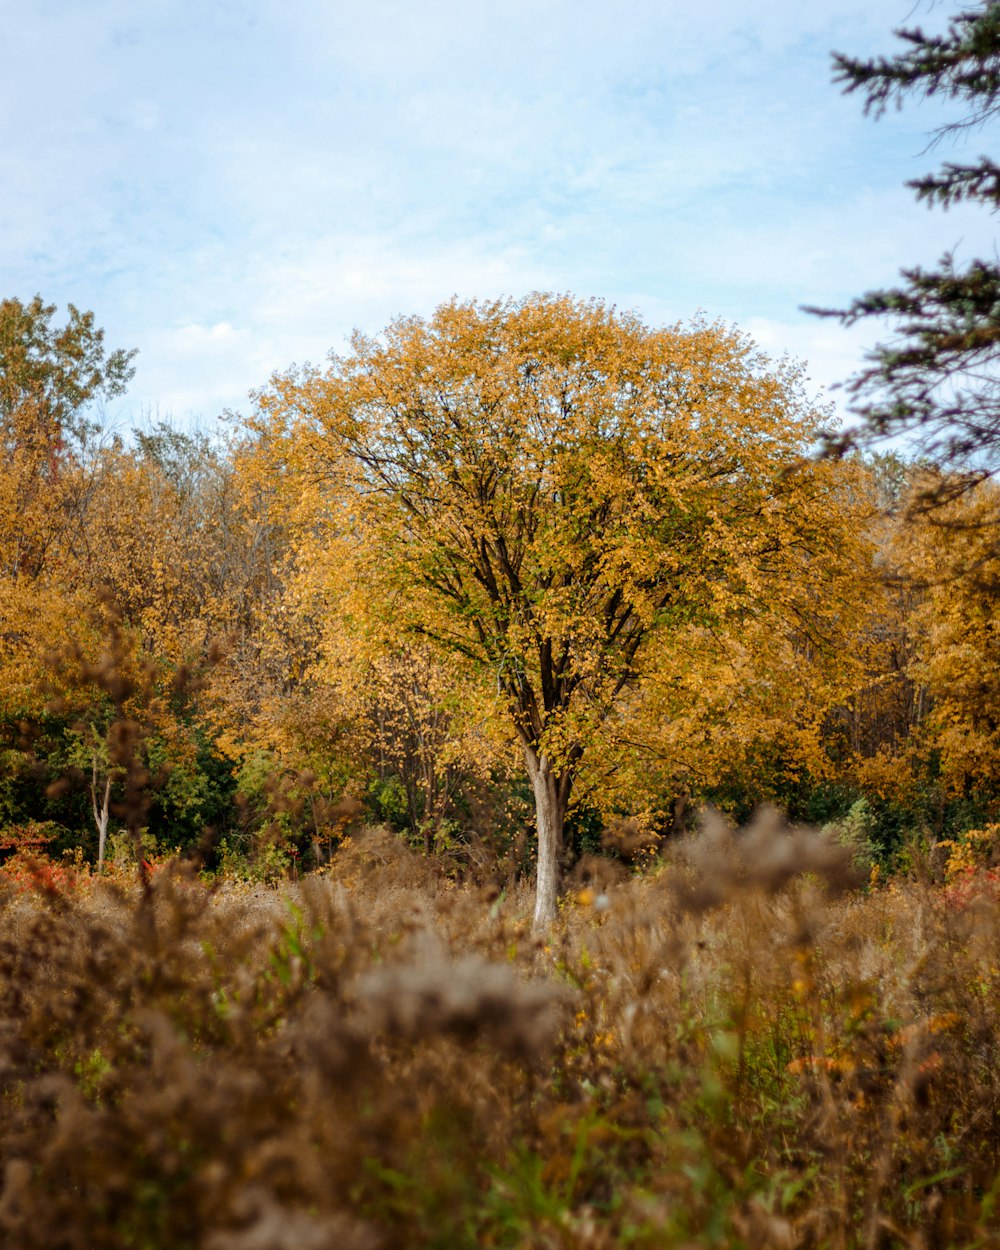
[544,487]
[938,377]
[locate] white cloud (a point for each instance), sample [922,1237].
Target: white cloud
[234,187]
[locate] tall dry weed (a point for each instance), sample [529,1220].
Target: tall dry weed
[739,1049]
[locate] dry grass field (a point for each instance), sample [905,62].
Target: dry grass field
[742,1048]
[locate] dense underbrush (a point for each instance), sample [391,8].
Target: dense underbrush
[741,1048]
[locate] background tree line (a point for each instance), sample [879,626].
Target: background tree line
[519,539]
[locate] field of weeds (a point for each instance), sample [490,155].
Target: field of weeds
[743,1048]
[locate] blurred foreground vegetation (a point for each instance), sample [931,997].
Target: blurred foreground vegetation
[742,1047]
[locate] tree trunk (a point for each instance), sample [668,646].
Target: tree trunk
[551,799]
[102,810]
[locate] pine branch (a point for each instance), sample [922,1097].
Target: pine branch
[955,184]
[963,64]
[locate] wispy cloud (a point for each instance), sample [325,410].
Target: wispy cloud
[234,187]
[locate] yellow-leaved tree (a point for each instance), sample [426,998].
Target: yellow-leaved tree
[949,557]
[50,379]
[545,488]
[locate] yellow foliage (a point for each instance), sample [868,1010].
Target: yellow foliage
[951,556]
[571,505]
[975,849]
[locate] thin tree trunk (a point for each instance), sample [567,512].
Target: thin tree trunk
[550,817]
[102,811]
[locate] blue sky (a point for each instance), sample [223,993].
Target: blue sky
[233,185]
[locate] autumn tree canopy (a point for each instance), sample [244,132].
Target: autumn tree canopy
[543,487]
[520,540]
